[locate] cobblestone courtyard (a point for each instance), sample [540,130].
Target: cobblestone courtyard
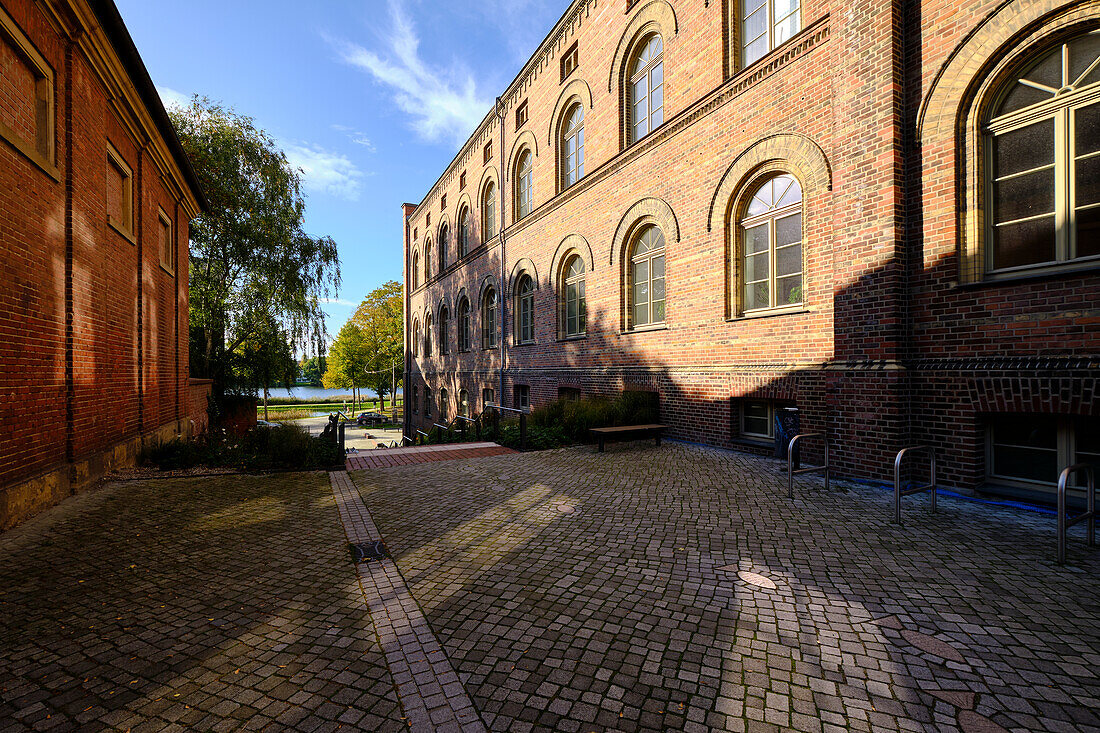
[672,588]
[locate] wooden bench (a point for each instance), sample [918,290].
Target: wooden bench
[627,432]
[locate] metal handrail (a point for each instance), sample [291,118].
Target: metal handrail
[441,426]
[898,492]
[506,409]
[791,470]
[463,417]
[1064,522]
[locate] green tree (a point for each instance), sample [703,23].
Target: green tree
[309,371]
[347,361]
[255,274]
[380,317]
[264,359]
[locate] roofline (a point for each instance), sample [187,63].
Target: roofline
[508,90]
[115,28]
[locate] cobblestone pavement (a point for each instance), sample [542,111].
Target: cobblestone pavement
[677,588]
[223,603]
[423,454]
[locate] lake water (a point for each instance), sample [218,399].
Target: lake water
[319,393]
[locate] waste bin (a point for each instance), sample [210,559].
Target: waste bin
[786,427]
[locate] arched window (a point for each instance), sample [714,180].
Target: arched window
[525,310]
[771,244]
[428,335]
[765,24]
[489,319]
[524,170]
[463,403]
[647,90]
[489,212]
[416,339]
[463,232]
[1043,161]
[416,270]
[427,261]
[463,325]
[572,146]
[574,310]
[444,330]
[647,278]
[427,403]
[443,244]
[444,408]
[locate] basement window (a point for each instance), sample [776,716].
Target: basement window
[1030,451]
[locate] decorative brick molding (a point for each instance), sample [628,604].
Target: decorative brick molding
[797,154]
[1052,395]
[966,85]
[647,211]
[572,243]
[523,265]
[656,15]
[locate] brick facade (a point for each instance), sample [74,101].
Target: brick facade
[93,327]
[896,341]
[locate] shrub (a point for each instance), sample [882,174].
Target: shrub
[282,447]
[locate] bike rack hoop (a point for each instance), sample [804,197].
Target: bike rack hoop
[1064,521]
[791,470]
[899,492]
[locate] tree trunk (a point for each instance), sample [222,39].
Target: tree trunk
[265,404]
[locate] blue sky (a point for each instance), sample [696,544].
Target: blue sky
[370,98]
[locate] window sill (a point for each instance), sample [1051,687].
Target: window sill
[646,329]
[771,313]
[31,153]
[576,337]
[164,267]
[1051,272]
[126,234]
[522,344]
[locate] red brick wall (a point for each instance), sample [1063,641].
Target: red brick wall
[127,316]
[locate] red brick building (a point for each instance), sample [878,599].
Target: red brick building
[885,214]
[96,196]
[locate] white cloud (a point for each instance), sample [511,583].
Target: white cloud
[171,98]
[443,105]
[324,171]
[359,138]
[338,301]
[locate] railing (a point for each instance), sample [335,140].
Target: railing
[466,420]
[522,421]
[420,432]
[898,492]
[1065,522]
[791,470]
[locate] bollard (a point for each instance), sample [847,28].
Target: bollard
[342,448]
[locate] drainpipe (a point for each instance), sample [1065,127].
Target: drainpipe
[503,274]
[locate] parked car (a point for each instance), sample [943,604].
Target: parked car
[370,419]
[266,424]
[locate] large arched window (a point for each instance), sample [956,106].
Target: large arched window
[428,335]
[427,260]
[444,236]
[416,339]
[524,172]
[647,278]
[444,330]
[771,244]
[647,88]
[574,309]
[525,310]
[489,319]
[1043,161]
[463,232]
[765,24]
[488,212]
[463,325]
[416,270]
[572,146]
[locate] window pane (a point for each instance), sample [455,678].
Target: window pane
[789,290]
[641,273]
[756,49]
[1082,52]
[756,267]
[657,116]
[752,6]
[1088,232]
[658,311]
[1024,149]
[1088,181]
[1029,431]
[756,295]
[1086,125]
[658,266]
[1026,243]
[641,315]
[658,288]
[788,230]
[786,28]
[788,260]
[755,418]
[1028,464]
[1026,195]
[756,23]
[756,239]
[783,8]
[1048,71]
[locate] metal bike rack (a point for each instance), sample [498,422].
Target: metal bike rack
[791,470]
[1064,522]
[898,492]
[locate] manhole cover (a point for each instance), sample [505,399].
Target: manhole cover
[566,509]
[368,551]
[756,579]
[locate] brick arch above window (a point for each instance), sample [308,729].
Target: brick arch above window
[656,15]
[575,91]
[520,268]
[796,154]
[443,303]
[951,115]
[489,281]
[572,244]
[647,211]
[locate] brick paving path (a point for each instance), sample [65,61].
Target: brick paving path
[431,695]
[223,603]
[386,458]
[677,588]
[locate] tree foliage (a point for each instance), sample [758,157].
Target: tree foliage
[380,317]
[310,370]
[256,277]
